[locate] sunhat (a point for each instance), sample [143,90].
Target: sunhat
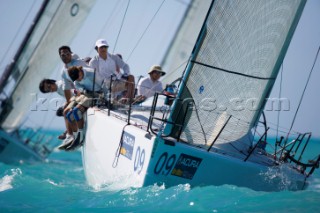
[158,69]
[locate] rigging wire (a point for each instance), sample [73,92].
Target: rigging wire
[304,90]
[168,75]
[18,32]
[146,29]
[114,10]
[124,16]
[280,92]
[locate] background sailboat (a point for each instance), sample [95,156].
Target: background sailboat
[56,23]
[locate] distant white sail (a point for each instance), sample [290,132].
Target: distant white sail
[232,70]
[57,26]
[176,58]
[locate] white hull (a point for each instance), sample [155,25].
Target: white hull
[146,160]
[13,150]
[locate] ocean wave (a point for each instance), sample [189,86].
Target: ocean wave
[314,184]
[6,181]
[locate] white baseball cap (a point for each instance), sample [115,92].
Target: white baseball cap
[101,42]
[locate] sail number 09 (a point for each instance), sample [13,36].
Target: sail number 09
[164,164]
[139,160]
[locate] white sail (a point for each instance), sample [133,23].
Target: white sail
[178,53]
[232,70]
[57,26]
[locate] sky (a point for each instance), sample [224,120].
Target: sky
[140,52]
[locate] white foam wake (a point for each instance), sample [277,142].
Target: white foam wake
[6,181]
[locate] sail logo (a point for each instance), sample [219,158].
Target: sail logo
[201,89]
[186,166]
[189,162]
[127,146]
[74,9]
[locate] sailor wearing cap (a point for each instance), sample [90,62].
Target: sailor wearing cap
[107,64]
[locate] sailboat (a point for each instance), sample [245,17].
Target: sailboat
[203,135]
[56,24]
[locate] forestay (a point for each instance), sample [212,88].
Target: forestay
[232,70]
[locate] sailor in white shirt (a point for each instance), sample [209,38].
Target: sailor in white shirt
[88,85]
[148,86]
[69,59]
[51,85]
[107,66]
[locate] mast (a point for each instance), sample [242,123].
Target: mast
[10,68]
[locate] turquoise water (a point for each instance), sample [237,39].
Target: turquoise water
[59,185]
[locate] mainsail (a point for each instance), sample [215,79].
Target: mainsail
[55,25]
[232,70]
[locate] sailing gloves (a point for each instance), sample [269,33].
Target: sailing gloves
[125,77]
[59,112]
